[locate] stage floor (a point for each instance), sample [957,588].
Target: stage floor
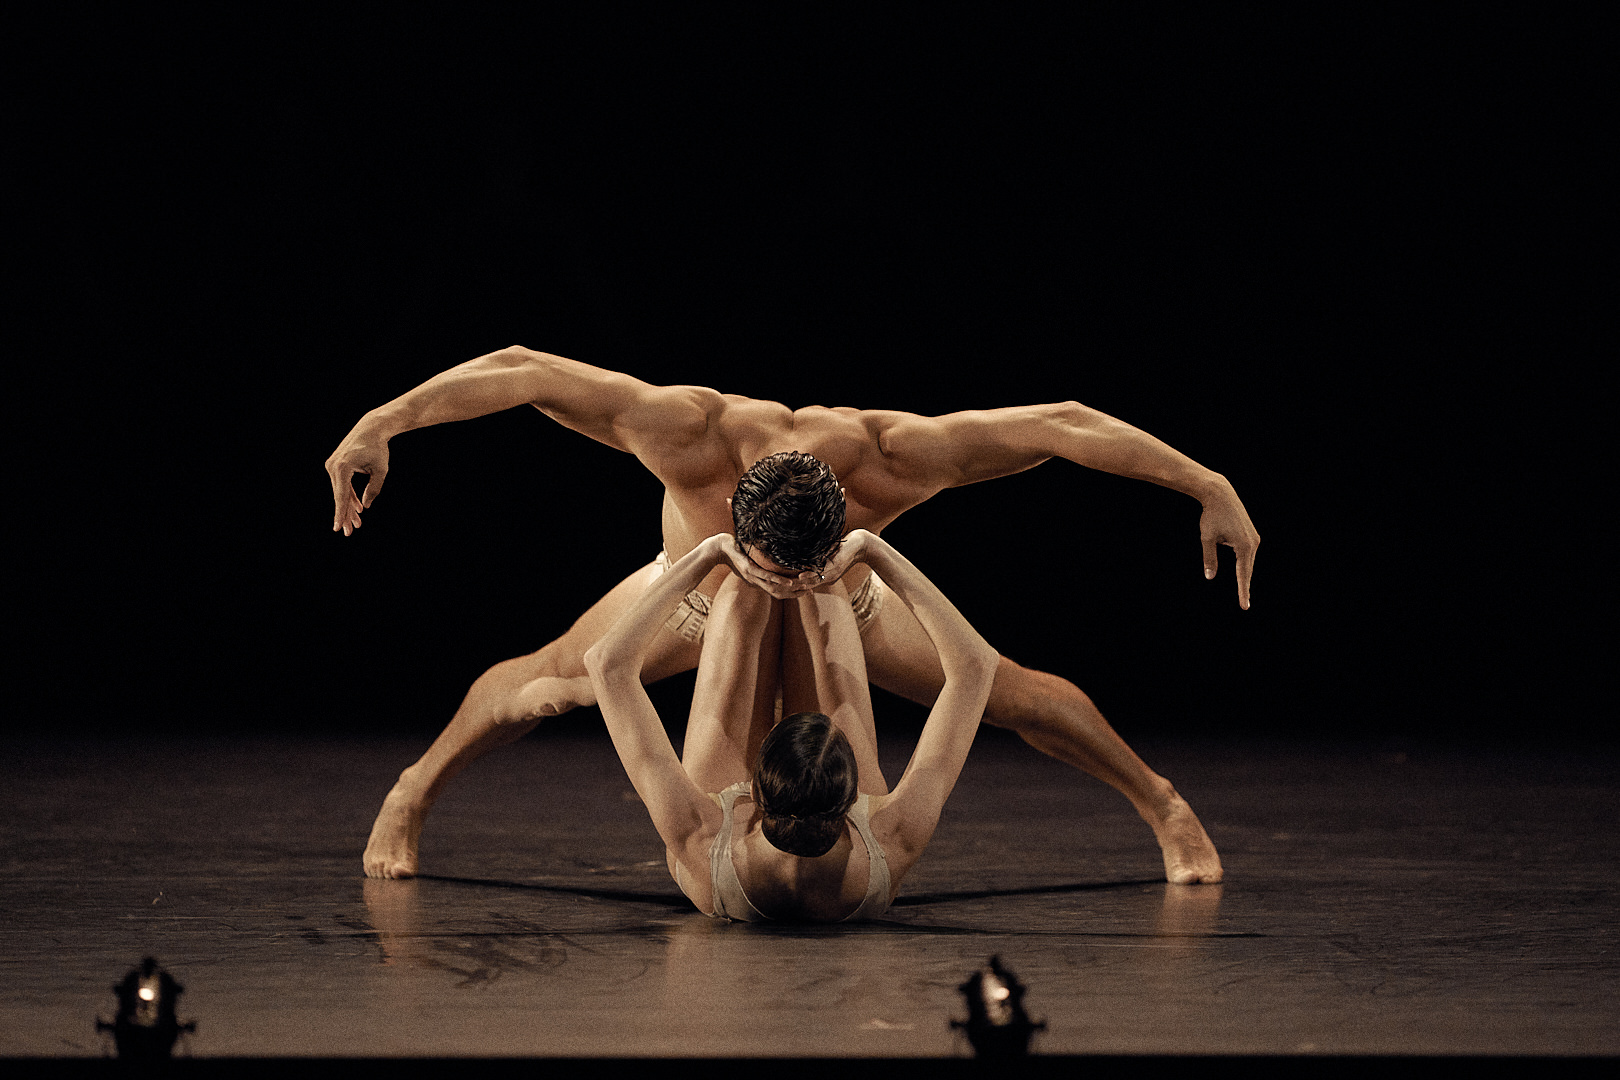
[1376,902]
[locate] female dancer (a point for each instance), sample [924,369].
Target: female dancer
[792,821]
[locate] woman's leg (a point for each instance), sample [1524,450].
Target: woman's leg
[824,670]
[734,701]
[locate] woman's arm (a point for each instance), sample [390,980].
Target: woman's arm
[970,668]
[678,807]
[625,646]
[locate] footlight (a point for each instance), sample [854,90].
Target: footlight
[997,1025]
[146,1026]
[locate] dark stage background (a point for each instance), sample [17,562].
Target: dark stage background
[1344,258]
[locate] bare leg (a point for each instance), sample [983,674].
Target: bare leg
[1056,717]
[504,704]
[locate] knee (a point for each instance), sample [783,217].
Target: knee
[529,689]
[539,698]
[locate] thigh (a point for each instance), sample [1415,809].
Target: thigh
[565,657]
[900,657]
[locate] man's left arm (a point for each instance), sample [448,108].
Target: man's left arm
[984,444]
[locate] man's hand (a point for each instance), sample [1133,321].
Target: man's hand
[1224,521]
[359,452]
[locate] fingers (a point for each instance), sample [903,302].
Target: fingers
[791,589]
[1245,571]
[374,483]
[356,455]
[348,515]
[1245,565]
[780,587]
[346,505]
[345,514]
[806,583]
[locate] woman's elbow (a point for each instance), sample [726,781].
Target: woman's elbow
[977,666]
[986,659]
[602,663]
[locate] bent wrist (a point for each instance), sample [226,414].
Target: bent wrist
[1211,487]
[383,423]
[715,547]
[873,546]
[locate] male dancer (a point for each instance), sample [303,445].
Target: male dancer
[699,442]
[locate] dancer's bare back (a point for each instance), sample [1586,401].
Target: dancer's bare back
[698,442]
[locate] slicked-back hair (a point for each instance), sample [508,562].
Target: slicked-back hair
[789,505]
[805,783]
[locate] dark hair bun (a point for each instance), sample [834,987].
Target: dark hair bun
[805,783]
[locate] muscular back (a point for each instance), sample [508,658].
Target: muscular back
[698,442]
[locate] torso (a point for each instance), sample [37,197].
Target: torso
[700,477]
[784,888]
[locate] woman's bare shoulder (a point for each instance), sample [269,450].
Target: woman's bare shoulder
[901,828]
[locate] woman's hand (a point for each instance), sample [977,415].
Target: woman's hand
[848,554]
[781,585]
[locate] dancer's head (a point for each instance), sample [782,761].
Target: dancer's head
[805,783]
[790,507]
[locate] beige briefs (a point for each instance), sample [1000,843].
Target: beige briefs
[690,617]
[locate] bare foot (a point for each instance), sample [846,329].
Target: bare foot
[391,851]
[1189,856]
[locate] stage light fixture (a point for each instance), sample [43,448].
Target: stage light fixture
[146,1026]
[997,1025]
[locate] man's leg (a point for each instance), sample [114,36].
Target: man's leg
[1056,717]
[504,704]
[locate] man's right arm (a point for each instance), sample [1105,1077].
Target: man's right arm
[610,407]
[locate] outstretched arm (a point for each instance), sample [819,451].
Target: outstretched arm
[966,447]
[616,409]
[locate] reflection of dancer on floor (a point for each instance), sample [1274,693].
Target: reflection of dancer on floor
[698,443]
[792,821]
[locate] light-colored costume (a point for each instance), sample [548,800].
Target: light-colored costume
[692,614]
[730,902]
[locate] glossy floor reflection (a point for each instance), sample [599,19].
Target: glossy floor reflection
[1376,902]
